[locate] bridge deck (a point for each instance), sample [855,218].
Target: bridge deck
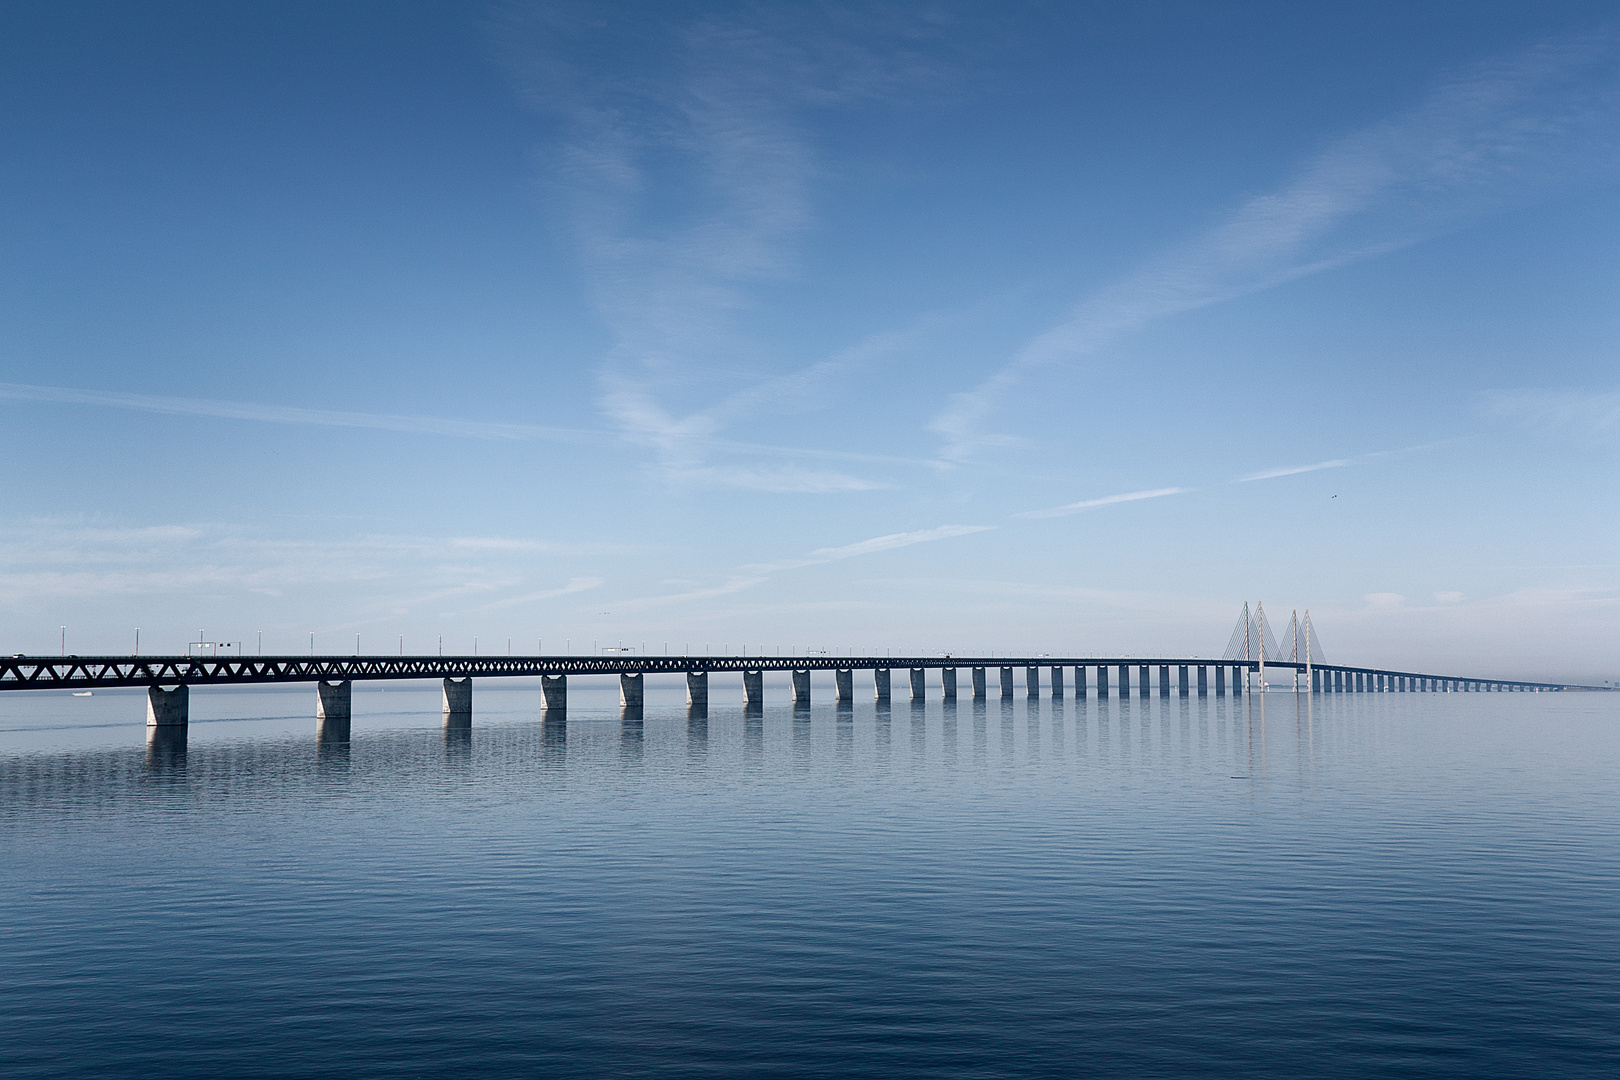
[87,672]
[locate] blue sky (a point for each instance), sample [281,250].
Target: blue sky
[1025,327]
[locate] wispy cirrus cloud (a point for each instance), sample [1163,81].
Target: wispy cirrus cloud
[1106,500]
[280,414]
[575,585]
[1293,470]
[1587,413]
[687,176]
[1492,135]
[1263,474]
[46,558]
[780,478]
[1335,463]
[746,577]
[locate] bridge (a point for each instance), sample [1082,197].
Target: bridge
[168,679]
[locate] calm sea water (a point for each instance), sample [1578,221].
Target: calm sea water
[1375,885]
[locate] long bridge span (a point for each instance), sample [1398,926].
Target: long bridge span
[168,678]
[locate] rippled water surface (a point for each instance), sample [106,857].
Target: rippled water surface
[1372,885]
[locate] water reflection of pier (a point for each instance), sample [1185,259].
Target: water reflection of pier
[981,741]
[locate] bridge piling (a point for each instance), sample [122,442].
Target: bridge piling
[801,688]
[1102,680]
[1220,680]
[919,685]
[697,688]
[1164,680]
[333,708]
[1057,681]
[554,693]
[632,691]
[1006,684]
[844,686]
[977,675]
[947,684]
[458,702]
[168,708]
[1032,681]
[1143,677]
[754,689]
[880,685]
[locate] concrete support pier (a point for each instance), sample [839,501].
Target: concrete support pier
[632,691]
[1237,680]
[844,686]
[168,708]
[332,711]
[880,684]
[1080,681]
[554,693]
[1124,680]
[1006,684]
[978,684]
[1203,681]
[947,684]
[1032,682]
[1185,689]
[1220,680]
[1164,680]
[1102,680]
[919,685]
[458,702]
[1144,677]
[754,688]
[801,689]
[1057,682]
[697,688]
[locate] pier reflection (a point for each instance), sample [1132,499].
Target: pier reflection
[166,749]
[632,734]
[1206,735]
[458,746]
[697,731]
[554,740]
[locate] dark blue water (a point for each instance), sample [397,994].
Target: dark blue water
[1376,885]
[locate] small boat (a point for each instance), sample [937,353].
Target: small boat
[83,693]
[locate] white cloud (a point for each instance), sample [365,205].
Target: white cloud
[1495,134]
[753,574]
[1106,500]
[1294,470]
[1592,414]
[711,122]
[276,414]
[575,585]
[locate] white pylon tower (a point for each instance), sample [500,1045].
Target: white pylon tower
[1293,634]
[1308,683]
[1260,631]
[1248,649]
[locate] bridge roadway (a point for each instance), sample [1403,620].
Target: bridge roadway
[94,672]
